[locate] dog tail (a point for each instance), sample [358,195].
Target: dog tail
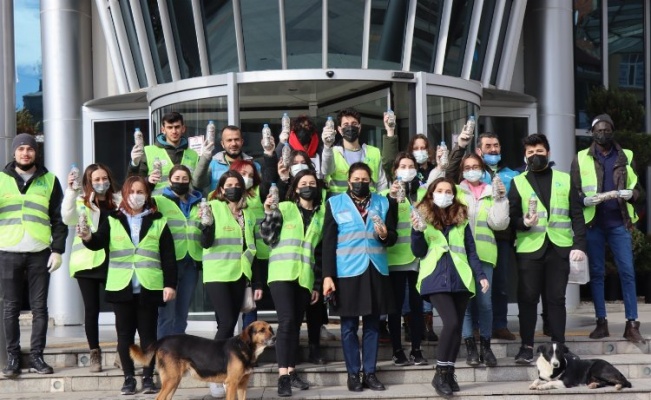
[140,356]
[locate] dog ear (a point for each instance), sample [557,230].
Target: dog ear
[541,349]
[565,349]
[247,333]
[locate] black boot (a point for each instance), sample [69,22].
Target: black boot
[315,356]
[452,380]
[12,369]
[485,353]
[601,330]
[472,358]
[441,381]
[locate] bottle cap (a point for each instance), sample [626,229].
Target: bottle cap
[211,121]
[273,184]
[329,118]
[266,126]
[137,129]
[73,165]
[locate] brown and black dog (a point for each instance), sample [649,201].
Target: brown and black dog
[227,361]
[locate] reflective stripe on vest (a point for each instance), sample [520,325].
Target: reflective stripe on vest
[257,210]
[589,182]
[190,159]
[225,261]
[356,242]
[483,234]
[292,258]
[557,225]
[400,253]
[82,258]
[125,259]
[338,180]
[29,212]
[185,231]
[437,245]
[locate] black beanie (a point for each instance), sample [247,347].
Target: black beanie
[23,139]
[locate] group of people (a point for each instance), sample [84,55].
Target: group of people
[376,234]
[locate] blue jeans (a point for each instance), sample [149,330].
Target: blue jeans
[500,285]
[621,244]
[370,343]
[480,308]
[173,318]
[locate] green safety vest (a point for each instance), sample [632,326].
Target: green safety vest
[82,258]
[437,246]
[338,180]
[29,212]
[257,209]
[556,224]
[589,182]
[185,231]
[400,253]
[190,160]
[125,259]
[292,257]
[483,234]
[225,261]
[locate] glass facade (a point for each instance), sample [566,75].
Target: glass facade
[446,117]
[156,40]
[219,29]
[587,56]
[185,38]
[345,33]
[261,33]
[303,21]
[457,36]
[387,36]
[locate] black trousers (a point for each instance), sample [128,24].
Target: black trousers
[132,316]
[291,300]
[400,280]
[546,276]
[316,315]
[15,269]
[91,290]
[226,298]
[451,308]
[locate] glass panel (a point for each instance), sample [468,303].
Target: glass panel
[261,34]
[156,40]
[587,56]
[219,28]
[113,143]
[457,36]
[303,28]
[127,17]
[483,35]
[345,31]
[388,21]
[426,33]
[500,42]
[445,118]
[185,37]
[511,131]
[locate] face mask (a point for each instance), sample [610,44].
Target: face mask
[421,156]
[360,189]
[304,136]
[443,200]
[136,201]
[603,139]
[101,188]
[233,194]
[492,159]
[472,175]
[407,175]
[350,133]
[248,182]
[537,162]
[180,188]
[307,192]
[296,168]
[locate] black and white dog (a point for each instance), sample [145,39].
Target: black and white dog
[559,369]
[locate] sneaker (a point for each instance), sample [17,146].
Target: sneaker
[217,390]
[326,334]
[416,357]
[284,386]
[129,385]
[524,356]
[38,365]
[297,382]
[12,369]
[399,358]
[148,385]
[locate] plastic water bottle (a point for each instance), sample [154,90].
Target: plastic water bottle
[76,184]
[82,221]
[157,166]
[138,139]
[204,209]
[266,136]
[330,123]
[445,154]
[533,205]
[470,125]
[286,155]
[496,181]
[210,131]
[375,217]
[275,194]
[391,118]
[400,194]
[284,122]
[420,225]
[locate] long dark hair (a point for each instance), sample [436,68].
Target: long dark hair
[87,186]
[455,214]
[473,156]
[217,194]
[291,190]
[430,150]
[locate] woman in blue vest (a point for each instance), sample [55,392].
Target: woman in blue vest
[181,212]
[448,268]
[142,272]
[96,197]
[358,227]
[294,271]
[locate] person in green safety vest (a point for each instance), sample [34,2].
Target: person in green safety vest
[294,231]
[142,272]
[96,198]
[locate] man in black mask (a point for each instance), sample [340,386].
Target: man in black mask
[547,218]
[605,178]
[304,137]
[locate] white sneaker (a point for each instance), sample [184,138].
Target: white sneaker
[326,334]
[217,390]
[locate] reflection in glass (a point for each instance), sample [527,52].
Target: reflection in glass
[345,31]
[587,56]
[156,40]
[261,34]
[445,118]
[388,21]
[426,31]
[130,28]
[483,35]
[457,36]
[219,28]
[510,131]
[303,22]
[113,141]
[185,37]
[196,114]
[500,41]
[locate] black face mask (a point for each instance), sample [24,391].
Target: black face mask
[360,189]
[180,188]
[307,192]
[350,133]
[603,139]
[233,194]
[537,162]
[304,136]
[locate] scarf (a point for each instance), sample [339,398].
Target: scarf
[297,145]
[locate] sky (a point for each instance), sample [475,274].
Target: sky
[27,38]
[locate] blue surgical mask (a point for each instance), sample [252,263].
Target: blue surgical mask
[492,159]
[473,175]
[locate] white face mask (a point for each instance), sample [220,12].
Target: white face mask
[248,182]
[102,187]
[473,175]
[407,175]
[443,200]
[136,201]
[421,156]
[296,168]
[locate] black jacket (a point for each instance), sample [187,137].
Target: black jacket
[59,229]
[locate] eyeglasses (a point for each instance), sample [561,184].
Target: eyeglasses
[472,168]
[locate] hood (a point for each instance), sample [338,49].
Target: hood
[161,142]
